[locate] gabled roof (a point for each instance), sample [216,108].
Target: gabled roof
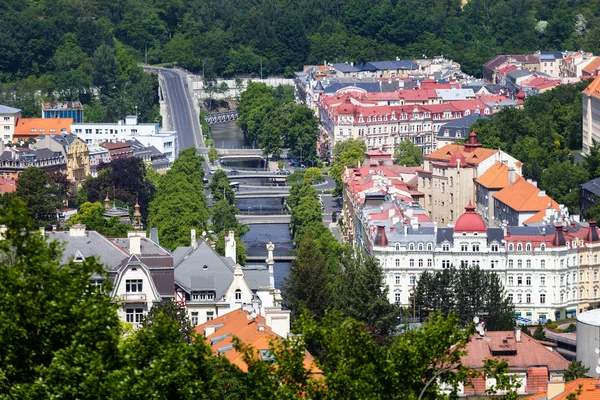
[592,66]
[203,269]
[593,88]
[9,110]
[592,186]
[253,332]
[446,153]
[345,67]
[523,196]
[496,177]
[589,390]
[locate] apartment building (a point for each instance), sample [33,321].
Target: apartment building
[8,120]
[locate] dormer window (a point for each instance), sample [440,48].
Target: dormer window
[238,294]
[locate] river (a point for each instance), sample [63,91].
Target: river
[229,135]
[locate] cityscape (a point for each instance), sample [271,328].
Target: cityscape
[332,201]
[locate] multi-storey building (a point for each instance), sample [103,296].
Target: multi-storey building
[8,120]
[167,142]
[384,126]
[15,160]
[63,109]
[538,265]
[75,151]
[448,175]
[591,115]
[31,128]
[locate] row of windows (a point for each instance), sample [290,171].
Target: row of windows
[446,247]
[210,315]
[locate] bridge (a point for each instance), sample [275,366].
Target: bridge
[263,219]
[220,118]
[257,175]
[262,194]
[275,258]
[240,154]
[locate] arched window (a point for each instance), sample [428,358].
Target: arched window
[494,247]
[511,247]
[397,262]
[519,247]
[543,247]
[429,247]
[397,247]
[411,247]
[420,246]
[519,263]
[528,247]
[446,247]
[238,294]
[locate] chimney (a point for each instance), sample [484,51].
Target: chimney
[405,230]
[154,235]
[194,242]
[555,388]
[230,250]
[278,320]
[209,330]
[511,175]
[135,245]
[517,334]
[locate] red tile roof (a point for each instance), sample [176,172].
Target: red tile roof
[593,88]
[33,127]
[519,355]
[524,196]
[589,390]
[251,332]
[592,67]
[496,177]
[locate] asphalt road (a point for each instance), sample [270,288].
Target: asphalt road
[181,113]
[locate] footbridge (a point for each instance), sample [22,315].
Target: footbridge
[262,194]
[275,258]
[263,219]
[221,118]
[240,154]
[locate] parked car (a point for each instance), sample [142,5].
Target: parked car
[211,170]
[284,172]
[233,172]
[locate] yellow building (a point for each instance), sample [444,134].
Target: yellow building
[589,269]
[75,151]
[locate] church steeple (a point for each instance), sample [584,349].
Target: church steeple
[137,215]
[106,202]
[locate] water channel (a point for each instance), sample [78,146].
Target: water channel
[229,135]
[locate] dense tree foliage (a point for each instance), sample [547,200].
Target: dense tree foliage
[41,196]
[270,118]
[92,216]
[467,291]
[61,337]
[349,153]
[576,370]
[408,154]
[241,37]
[179,204]
[123,180]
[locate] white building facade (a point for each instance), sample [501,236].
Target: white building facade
[167,142]
[8,120]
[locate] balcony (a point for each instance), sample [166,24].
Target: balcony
[134,297]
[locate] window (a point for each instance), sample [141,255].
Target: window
[519,263]
[429,263]
[510,297]
[133,285]
[411,280]
[210,315]
[6,127]
[528,263]
[445,263]
[562,297]
[511,247]
[543,247]
[420,263]
[528,280]
[420,246]
[397,247]
[194,318]
[134,315]
[446,247]
[397,297]
[7,118]
[411,247]
[397,278]
[528,298]
[464,247]
[475,247]
[596,259]
[595,275]
[528,247]
[411,262]
[510,281]
[543,264]
[543,298]
[519,298]
[519,247]
[510,263]
[429,247]
[397,262]
[494,247]
[519,280]
[494,264]
[542,280]
[238,294]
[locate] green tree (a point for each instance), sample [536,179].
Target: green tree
[223,216]
[220,188]
[561,181]
[92,216]
[313,176]
[360,292]
[41,196]
[307,288]
[575,370]
[349,153]
[175,312]
[213,155]
[408,154]
[51,316]
[539,333]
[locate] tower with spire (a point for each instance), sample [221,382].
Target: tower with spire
[137,215]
